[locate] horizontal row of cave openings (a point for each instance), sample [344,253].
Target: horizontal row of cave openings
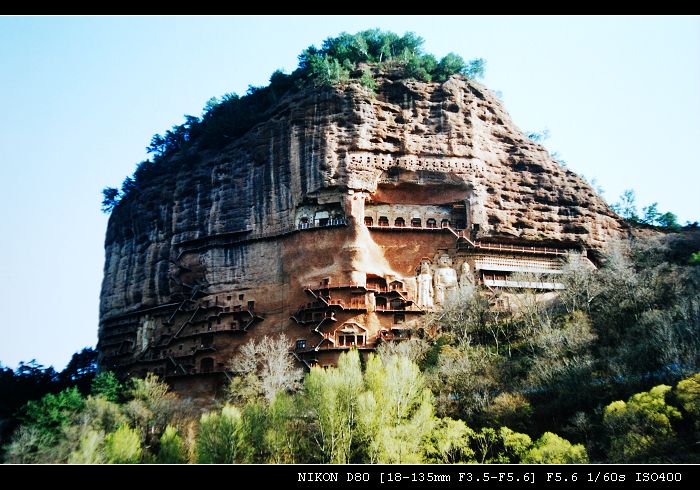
[415,223]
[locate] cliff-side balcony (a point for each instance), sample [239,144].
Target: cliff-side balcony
[506,247]
[323,223]
[545,266]
[240,326]
[398,309]
[506,283]
[314,317]
[330,286]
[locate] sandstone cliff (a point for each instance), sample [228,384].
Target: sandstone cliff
[235,220]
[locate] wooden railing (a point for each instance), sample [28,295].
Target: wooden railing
[522,284]
[520,248]
[220,239]
[398,310]
[462,234]
[334,286]
[331,222]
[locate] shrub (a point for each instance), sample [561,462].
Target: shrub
[694,258]
[53,412]
[123,446]
[448,442]
[688,394]
[640,429]
[552,449]
[90,450]
[172,448]
[30,445]
[107,386]
[367,80]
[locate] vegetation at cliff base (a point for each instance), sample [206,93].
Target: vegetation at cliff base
[384,413]
[608,370]
[346,58]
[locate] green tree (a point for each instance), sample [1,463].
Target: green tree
[172,448]
[486,443]
[475,68]
[515,444]
[101,415]
[694,258]
[552,449]
[53,412]
[153,407]
[80,370]
[221,437]
[651,214]
[326,71]
[256,422]
[332,398]
[688,394]
[640,430]
[449,65]
[669,221]
[123,446]
[501,445]
[509,409]
[419,67]
[283,434]
[448,442]
[107,386]
[539,136]
[90,449]
[129,185]
[395,411]
[110,198]
[627,206]
[367,80]
[211,104]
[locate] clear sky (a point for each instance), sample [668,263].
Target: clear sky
[81,98]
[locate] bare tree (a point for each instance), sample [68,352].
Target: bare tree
[465,380]
[581,284]
[413,349]
[465,318]
[264,369]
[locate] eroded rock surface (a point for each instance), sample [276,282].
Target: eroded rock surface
[338,202]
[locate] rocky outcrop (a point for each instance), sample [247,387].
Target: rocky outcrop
[299,197]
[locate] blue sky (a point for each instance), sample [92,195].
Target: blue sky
[82,97]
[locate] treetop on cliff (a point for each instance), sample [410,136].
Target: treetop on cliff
[340,60]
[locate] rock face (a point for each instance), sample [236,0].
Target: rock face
[338,221]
